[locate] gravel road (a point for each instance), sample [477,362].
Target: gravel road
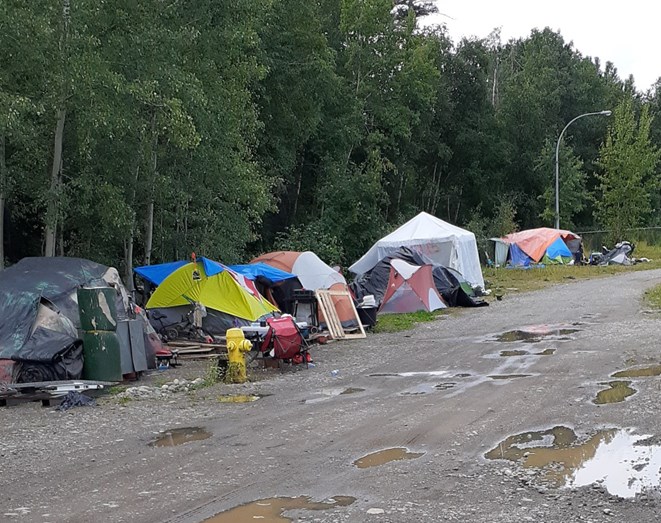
[444,391]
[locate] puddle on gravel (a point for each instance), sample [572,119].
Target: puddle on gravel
[430,373]
[422,388]
[382,457]
[351,390]
[508,376]
[174,437]
[622,462]
[521,352]
[271,510]
[535,334]
[616,392]
[239,398]
[644,372]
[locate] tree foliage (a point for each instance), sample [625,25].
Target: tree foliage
[629,162]
[135,132]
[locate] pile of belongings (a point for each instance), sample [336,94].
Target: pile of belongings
[39,317]
[406,281]
[621,254]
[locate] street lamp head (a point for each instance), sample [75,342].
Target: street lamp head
[606,113]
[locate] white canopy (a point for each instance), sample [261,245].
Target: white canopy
[439,241]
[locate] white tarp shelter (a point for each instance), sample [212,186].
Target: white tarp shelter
[439,241]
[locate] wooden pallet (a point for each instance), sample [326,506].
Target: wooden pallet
[333,323]
[191,349]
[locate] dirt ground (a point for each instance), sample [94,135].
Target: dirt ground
[445,392]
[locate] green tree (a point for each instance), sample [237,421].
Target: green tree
[572,181]
[629,161]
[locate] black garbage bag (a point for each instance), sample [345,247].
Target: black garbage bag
[75,399]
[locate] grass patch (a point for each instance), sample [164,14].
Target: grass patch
[508,281]
[653,297]
[405,321]
[116,389]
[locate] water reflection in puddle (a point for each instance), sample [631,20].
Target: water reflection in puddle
[430,373]
[521,352]
[271,510]
[326,394]
[644,372]
[616,392]
[624,463]
[174,437]
[382,457]
[536,334]
[508,376]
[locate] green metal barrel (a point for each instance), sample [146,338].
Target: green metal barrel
[97,308]
[101,356]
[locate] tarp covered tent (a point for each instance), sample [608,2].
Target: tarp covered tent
[449,284]
[155,274]
[410,288]
[230,299]
[39,318]
[441,242]
[542,245]
[313,274]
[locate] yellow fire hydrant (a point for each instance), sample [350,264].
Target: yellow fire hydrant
[237,346]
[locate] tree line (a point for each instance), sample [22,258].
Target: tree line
[138,132]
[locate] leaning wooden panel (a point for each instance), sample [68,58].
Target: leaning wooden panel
[329,313]
[333,322]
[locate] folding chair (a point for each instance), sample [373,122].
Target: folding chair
[284,341]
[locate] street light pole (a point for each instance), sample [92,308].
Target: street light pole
[557,163]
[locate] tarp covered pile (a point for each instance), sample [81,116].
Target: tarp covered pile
[39,315]
[538,246]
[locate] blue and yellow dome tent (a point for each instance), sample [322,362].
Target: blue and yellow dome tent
[230,298]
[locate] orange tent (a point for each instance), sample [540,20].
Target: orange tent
[534,242]
[313,274]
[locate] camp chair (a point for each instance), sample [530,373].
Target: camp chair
[284,341]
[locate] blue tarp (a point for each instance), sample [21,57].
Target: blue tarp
[518,258]
[558,248]
[254,270]
[157,273]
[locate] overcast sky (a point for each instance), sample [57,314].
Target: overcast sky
[623,32]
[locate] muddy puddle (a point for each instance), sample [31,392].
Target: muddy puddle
[239,398]
[326,394]
[351,390]
[521,352]
[624,463]
[430,373]
[508,376]
[616,392]
[382,457]
[536,334]
[179,436]
[272,510]
[644,372]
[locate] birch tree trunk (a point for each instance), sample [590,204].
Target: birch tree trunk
[3,182]
[53,208]
[149,236]
[53,197]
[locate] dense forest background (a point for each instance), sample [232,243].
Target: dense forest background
[138,132]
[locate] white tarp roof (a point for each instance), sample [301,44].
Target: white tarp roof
[441,242]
